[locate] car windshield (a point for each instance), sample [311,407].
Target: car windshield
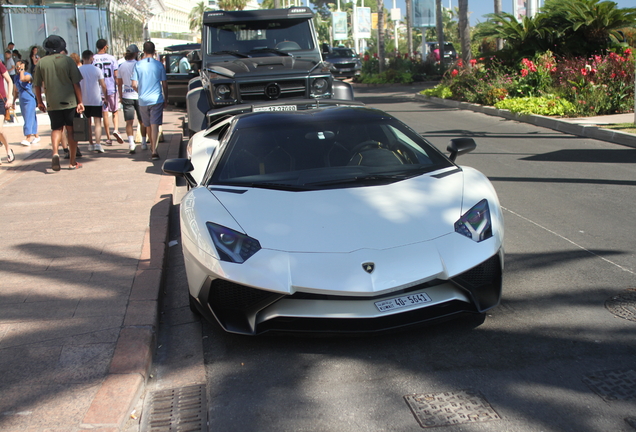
[340,53]
[307,150]
[256,37]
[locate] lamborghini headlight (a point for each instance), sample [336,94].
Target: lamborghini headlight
[232,246]
[475,223]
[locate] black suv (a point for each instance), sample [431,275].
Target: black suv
[183,63]
[259,57]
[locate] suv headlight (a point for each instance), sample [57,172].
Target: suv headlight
[232,246]
[475,223]
[320,87]
[223,94]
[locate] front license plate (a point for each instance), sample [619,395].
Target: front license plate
[276,108]
[402,302]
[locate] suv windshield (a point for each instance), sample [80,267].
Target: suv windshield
[340,53]
[313,150]
[260,36]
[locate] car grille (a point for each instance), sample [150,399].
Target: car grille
[255,91]
[344,65]
[483,282]
[229,295]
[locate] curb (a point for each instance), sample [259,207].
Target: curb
[594,132]
[130,367]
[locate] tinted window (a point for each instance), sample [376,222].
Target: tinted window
[284,35]
[314,151]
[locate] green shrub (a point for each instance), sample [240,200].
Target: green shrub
[548,106]
[440,91]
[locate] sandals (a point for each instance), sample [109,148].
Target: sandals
[155,156]
[108,142]
[10,156]
[76,166]
[55,163]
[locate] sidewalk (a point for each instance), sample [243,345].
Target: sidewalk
[81,267]
[584,127]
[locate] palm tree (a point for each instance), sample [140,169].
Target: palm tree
[230,5]
[196,16]
[464,31]
[523,37]
[587,26]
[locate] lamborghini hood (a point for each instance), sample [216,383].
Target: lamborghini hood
[348,219]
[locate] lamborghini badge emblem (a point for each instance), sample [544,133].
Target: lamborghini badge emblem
[368,267]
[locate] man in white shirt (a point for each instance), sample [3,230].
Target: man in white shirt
[130,98]
[93,87]
[108,64]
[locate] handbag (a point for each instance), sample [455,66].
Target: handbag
[8,112]
[81,128]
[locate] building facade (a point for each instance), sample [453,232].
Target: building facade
[81,23]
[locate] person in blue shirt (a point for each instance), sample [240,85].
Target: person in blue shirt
[149,81]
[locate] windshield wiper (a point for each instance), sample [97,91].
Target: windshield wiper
[382,178]
[276,186]
[272,50]
[234,53]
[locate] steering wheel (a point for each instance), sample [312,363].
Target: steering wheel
[370,144]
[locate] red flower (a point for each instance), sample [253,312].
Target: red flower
[460,63]
[628,51]
[473,62]
[366,57]
[524,72]
[583,72]
[454,72]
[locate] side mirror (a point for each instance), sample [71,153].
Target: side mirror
[180,168]
[326,49]
[460,146]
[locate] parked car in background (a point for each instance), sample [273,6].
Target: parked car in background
[183,63]
[450,54]
[343,62]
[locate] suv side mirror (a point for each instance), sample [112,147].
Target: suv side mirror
[460,146]
[326,49]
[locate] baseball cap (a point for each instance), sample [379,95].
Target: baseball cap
[133,49]
[54,44]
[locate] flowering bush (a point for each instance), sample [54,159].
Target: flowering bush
[593,86]
[549,106]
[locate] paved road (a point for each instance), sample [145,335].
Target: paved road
[540,361]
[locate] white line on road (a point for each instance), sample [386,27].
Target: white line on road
[568,240]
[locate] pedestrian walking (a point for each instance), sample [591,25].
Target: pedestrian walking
[6,102]
[93,87]
[28,104]
[130,98]
[9,63]
[61,77]
[108,64]
[149,81]
[34,57]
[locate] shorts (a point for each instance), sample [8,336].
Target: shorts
[110,102]
[3,109]
[92,111]
[131,106]
[61,118]
[152,114]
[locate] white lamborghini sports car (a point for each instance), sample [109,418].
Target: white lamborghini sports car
[334,219]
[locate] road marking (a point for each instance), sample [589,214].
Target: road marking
[568,240]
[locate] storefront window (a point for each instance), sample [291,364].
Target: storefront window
[28,28]
[62,22]
[92,26]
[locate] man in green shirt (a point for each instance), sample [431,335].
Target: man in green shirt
[60,76]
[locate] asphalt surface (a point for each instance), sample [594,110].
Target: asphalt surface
[551,357]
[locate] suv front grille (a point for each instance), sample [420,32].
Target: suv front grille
[255,91]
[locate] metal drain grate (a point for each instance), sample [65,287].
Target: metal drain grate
[623,305]
[450,408]
[613,385]
[177,410]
